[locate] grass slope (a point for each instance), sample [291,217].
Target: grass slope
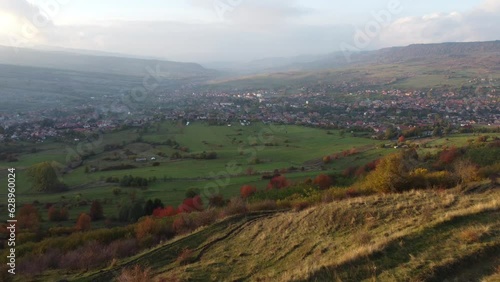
[414,236]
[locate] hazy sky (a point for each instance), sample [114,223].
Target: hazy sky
[242,30]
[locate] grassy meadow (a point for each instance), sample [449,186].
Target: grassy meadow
[244,153]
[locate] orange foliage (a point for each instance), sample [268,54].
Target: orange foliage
[278,182]
[247,191]
[447,156]
[191,205]
[144,228]
[323,181]
[28,218]
[165,212]
[83,222]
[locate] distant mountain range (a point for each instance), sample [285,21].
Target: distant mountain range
[393,55]
[484,54]
[86,61]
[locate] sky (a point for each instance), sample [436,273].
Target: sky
[243,30]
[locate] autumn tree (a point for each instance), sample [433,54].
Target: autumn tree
[144,227]
[465,171]
[83,222]
[323,181]
[96,211]
[191,205]
[28,218]
[447,156]
[278,182]
[327,159]
[216,201]
[55,214]
[391,174]
[247,191]
[165,212]
[44,178]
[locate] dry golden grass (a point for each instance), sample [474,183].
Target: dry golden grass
[135,274]
[295,245]
[473,234]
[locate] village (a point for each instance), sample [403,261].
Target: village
[384,113]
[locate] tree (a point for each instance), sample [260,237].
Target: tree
[389,133]
[83,222]
[55,214]
[216,201]
[391,174]
[247,191]
[465,171]
[278,182]
[323,181]
[44,178]
[191,205]
[165,212]
[447,156]
[327,159]
[96,211]
[150,206]
[144,228]
[28,218]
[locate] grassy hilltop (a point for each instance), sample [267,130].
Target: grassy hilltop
[414,236]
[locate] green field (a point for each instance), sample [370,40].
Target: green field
[298,150]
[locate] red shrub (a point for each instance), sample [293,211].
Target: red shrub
[28,218]
[360,171]
[349,172]
[191,205]
[83,222]
[165,212]
[278,182]
[247,191]
[323,181]
[447,156]
[183,224]
[144,228]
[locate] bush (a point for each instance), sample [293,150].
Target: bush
[205,218]
[144,228]
[165,212]
[323,181]
[235,206]
[247,191]
[135,274]
[83,222]
[60,231]
[278,182]
[216,201]
[183,224]
[55,214]
[266,205]
[191,205]
[185,257]
[123,248]
[96,211]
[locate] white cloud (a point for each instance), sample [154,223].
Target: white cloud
[479,24]
[251,29]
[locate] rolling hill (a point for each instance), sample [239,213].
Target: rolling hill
[446,65]
[414,236]
[115,65]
